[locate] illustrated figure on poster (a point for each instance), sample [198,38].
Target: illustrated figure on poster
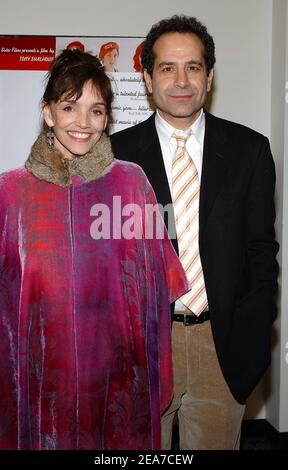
[76,45]
[108,54]
[85,342]
[137,58]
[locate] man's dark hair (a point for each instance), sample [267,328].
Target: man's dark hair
[70,71]
[178,24]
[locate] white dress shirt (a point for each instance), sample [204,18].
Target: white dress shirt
[194,147]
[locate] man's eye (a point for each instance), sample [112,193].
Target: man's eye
[193,68]
[168,68]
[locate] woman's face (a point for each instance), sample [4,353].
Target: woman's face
[110,59]
[77,124]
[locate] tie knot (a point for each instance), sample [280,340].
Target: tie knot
[181,137]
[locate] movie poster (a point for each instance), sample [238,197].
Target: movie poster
[24,62]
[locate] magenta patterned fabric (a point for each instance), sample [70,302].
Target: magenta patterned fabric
[85,355]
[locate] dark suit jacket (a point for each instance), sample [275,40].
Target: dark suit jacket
[236,238]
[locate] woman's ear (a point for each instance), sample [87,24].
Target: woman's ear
[47,114]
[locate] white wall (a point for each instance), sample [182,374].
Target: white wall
[248,48]
[283,412]
[276,407]
[242,81]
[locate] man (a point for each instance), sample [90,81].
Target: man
[221,176]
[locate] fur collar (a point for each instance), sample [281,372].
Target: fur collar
[48,164]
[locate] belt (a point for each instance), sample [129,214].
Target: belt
[190,318]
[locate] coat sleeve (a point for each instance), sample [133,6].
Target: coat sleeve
[166,275]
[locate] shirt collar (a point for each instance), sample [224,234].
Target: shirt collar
[165,130]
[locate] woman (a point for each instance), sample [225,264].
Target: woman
[108,54]
[85,359]
[137,58]
[76,45]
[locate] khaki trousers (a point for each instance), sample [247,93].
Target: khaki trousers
[208,415]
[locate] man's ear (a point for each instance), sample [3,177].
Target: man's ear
[47,114]
[148,81]
[210,80]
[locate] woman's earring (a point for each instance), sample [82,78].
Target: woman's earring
[50,137]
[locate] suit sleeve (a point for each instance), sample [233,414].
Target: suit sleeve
[249,350]
[261,247]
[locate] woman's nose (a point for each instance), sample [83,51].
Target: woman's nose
[83,120]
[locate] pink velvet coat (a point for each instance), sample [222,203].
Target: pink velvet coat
[85,354]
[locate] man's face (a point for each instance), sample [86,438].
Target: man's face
[179,82]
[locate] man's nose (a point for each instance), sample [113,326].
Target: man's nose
[181,79]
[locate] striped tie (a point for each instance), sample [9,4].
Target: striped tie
[185,195]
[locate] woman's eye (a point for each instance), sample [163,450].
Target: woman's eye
[97,112]
[67,108]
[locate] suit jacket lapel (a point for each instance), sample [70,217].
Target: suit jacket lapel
[213,168]
[151,160]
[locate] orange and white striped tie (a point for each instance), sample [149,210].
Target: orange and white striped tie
[185,195]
